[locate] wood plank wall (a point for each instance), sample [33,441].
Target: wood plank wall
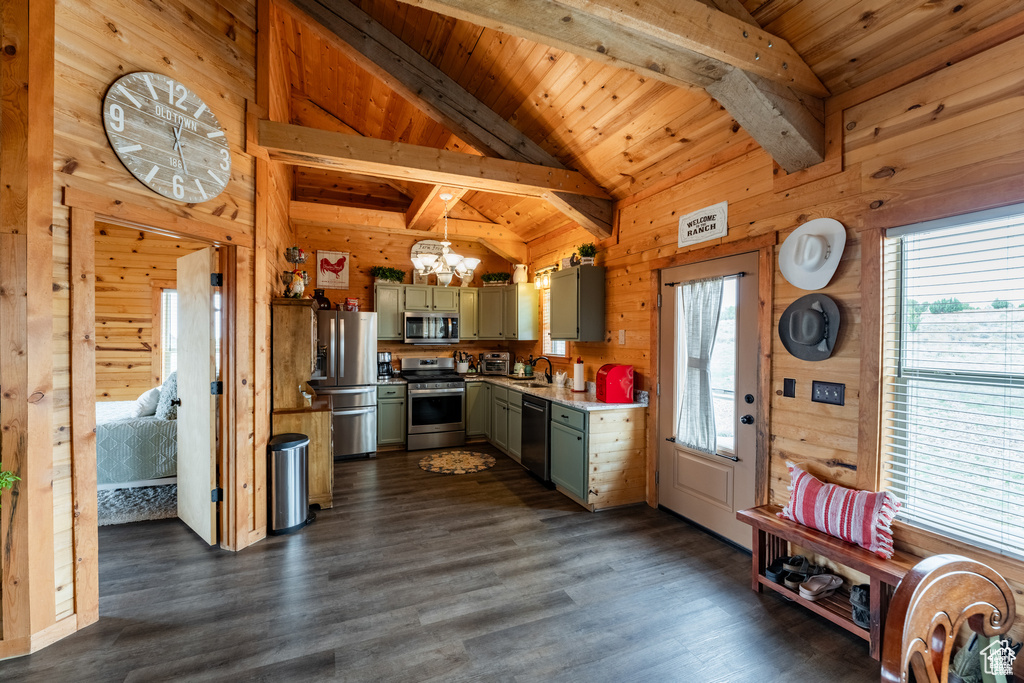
[947,143]
[128,263]
[208,45]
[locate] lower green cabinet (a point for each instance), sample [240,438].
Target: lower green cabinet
[515,432]
[499,424]
[391,417]
[569,459]
[478,409]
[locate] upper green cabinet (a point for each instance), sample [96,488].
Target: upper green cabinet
[577,304]
[489,313]
[509,312]
[430,298]
[387,301]
[468,328]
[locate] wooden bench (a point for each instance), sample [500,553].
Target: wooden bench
[771,534]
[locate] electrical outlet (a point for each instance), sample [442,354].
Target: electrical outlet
[789,387]
[828,392]
[622,336]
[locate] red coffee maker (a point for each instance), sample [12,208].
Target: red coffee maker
[615,383]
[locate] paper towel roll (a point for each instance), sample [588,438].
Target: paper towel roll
[578,383]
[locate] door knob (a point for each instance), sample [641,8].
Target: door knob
[747,419]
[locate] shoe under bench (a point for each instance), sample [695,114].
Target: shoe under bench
[771,536]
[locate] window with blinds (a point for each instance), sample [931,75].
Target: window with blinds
[953,377]
[551,347]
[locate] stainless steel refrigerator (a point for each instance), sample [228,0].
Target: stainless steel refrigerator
[347,373]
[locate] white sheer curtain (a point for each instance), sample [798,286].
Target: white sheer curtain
[698,305]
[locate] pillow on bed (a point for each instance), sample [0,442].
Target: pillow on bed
[168,393]
[145,405]
[860,517]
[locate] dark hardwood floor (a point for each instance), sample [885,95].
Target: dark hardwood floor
[414,576]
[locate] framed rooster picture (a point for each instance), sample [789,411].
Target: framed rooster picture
[332,269]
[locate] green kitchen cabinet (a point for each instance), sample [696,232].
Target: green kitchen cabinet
[388,301]
[419,298]
[577,304]
[520,312]
[499,417]
[431,298]
[478,409]
[569,459]
[515,425]
[445,299]
[489,313]
[391,417]
[468,328]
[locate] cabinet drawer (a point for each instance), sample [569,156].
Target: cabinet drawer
[391,391]
[570,417]
[499,394]
[515,398]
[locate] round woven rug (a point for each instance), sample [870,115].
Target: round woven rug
[456,462]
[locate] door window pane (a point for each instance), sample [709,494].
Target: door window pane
[723,370]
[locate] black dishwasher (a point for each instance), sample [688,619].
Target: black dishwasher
[536,437]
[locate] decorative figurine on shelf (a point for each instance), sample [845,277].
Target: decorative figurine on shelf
[297,285]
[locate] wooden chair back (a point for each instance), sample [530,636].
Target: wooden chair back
[930,605]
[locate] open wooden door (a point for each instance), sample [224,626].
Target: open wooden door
[196,414]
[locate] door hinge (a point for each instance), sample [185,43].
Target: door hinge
[659,389]
[216,388]
[216,279]
[657,477]
[659,301]
[217,495]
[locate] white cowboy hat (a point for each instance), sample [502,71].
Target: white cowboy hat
[810,255]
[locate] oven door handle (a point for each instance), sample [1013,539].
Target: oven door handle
[434,392]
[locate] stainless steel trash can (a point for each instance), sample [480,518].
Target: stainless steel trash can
[289,483]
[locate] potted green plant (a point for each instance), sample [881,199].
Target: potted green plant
[495,279]
[587,253]
[386,274]
[7,479]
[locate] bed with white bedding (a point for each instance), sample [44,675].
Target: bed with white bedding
[133,450]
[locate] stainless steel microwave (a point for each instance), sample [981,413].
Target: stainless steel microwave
[431,328]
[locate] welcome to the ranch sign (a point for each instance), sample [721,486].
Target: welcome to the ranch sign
[707,224]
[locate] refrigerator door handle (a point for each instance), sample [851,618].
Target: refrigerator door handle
[327,391]
[357,411]
[341,345]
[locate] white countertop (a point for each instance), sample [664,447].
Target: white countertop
[584,401]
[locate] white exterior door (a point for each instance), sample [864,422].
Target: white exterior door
[196,415]
[708,488]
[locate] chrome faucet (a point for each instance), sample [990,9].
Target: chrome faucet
[547,373]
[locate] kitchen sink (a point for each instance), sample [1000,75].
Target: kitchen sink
[537,385]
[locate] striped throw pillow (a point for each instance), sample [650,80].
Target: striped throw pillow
[860,517]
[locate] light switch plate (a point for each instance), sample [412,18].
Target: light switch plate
[833,393]
[789,387]
[622,336]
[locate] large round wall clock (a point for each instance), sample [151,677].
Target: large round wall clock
[167,137]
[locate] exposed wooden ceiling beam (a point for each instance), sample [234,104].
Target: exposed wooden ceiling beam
[412,76]
[502,242]
[394,221]
[427,207]
[305,112]
[311,147]
[780,107]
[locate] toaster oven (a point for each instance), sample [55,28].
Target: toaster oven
[494,363]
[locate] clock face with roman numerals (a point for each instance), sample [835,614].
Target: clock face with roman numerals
[167,137]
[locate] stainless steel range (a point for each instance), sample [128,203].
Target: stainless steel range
[437,403]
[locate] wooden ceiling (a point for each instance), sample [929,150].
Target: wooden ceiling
[623,130]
